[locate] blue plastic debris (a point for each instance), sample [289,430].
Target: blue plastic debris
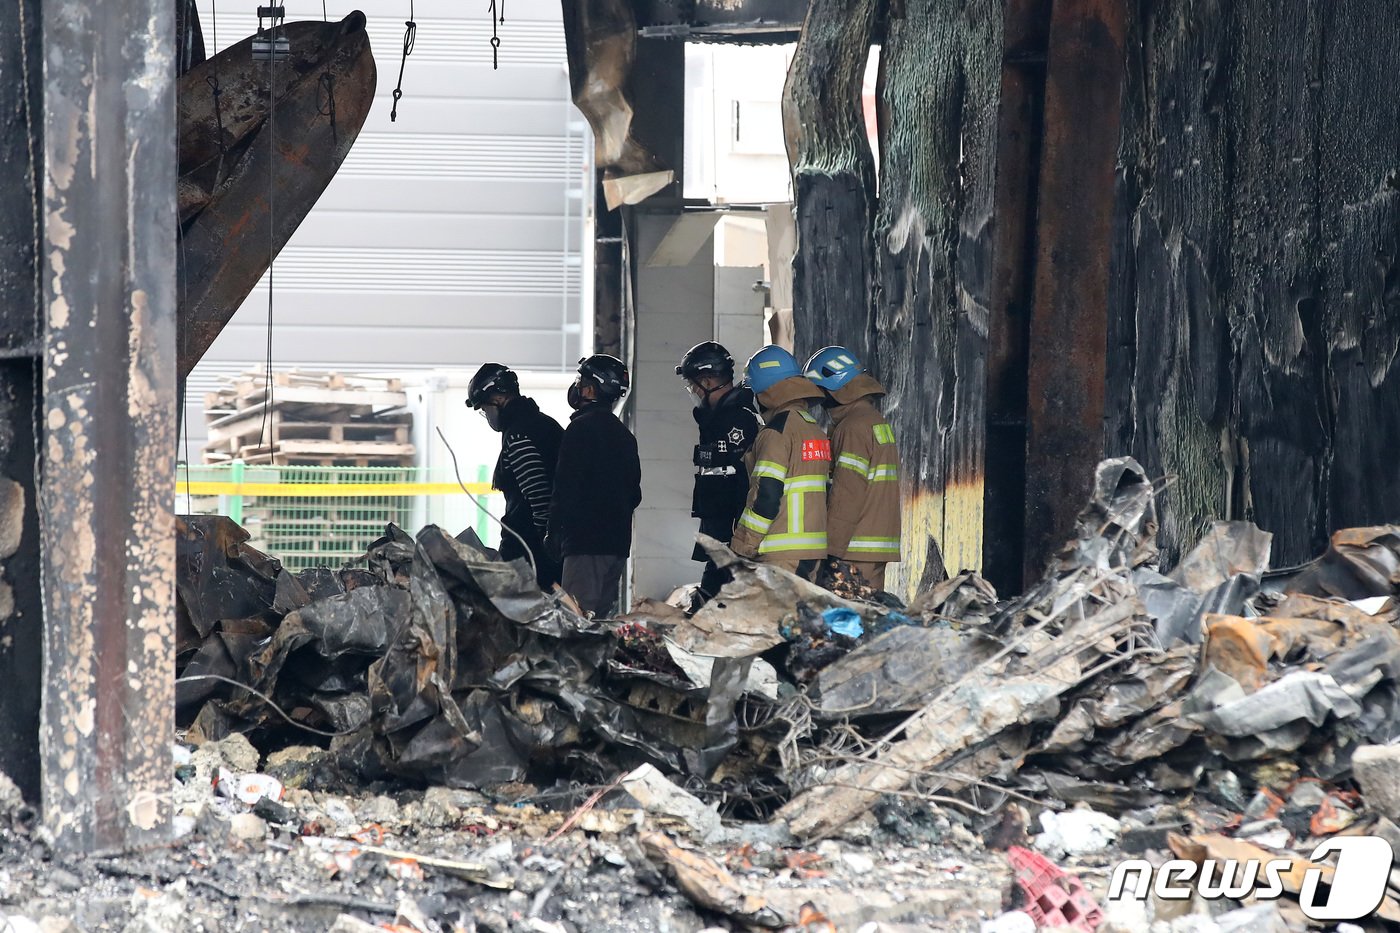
[844,622]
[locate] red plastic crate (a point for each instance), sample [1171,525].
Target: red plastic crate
[1053,898]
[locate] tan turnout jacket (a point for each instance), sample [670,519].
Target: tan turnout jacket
[863,509]
[784,517]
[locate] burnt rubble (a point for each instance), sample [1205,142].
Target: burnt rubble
[430,724]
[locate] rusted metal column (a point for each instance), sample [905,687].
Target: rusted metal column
[1069,322]
[109,416]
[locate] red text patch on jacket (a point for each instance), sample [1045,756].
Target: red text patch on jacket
[816,450]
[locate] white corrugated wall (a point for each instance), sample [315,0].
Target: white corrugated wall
[448,237]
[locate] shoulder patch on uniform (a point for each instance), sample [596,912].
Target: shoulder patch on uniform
[806,416]
[816,449]
[884,434]
[779,421]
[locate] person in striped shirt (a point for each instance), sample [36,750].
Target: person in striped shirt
[525,469]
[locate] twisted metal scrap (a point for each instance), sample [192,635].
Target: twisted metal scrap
[1081,621]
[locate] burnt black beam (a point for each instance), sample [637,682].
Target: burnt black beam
[1020,122]
[1069,320]
[833,175]
[108,416]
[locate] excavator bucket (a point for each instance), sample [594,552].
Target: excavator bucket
[260,139]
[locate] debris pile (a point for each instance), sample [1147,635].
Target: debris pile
[1221,709]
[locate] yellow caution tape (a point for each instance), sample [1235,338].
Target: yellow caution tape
[328,490]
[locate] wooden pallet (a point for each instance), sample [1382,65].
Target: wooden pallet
[234,436]
[252,380]
[276,458]
[308,404]
[309,419]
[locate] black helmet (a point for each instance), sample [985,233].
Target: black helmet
[608,372]
[706,359]
[490,379]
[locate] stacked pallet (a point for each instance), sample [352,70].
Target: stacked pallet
[309,419]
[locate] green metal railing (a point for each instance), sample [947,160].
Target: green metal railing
[326,516]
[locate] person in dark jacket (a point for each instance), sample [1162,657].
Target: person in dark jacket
[728,424]
[525,469]
[597,487]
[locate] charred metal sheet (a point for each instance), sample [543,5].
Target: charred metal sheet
[1069,322]
[600,37]
[109,419]
[232,225]
[1257,262]
[939,75]
[833,177]
[1169,289]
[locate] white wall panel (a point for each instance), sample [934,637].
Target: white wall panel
[450,235]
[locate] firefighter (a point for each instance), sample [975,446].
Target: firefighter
[863,508]
[784,517]
[728,425]
[525,468]
[597,487]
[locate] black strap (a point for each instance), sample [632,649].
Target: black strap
[498,15]
[410,35]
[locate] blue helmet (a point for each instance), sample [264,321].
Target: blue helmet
[768,367]
[833,367]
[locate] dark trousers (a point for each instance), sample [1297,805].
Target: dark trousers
[713,578]
[592,579]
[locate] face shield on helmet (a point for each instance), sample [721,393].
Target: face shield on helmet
[575,396]
[702,396]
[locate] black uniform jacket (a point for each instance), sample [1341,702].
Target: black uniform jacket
[727,432]
[597,485]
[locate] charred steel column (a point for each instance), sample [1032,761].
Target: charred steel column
[833,176]
[940,69]
[109,414]
[1069,321]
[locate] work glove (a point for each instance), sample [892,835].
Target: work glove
[743,550]
[827,571]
